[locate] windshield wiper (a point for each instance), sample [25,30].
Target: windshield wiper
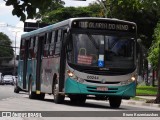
[93,41]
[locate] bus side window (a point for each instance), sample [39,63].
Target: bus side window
[46,44]
[44,52]
[31,52]
[49,37]
[58,43]
[51,49]
[30,49]
[35,46]
[22,48]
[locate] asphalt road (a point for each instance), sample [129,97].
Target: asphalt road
[10,101]
[6,91]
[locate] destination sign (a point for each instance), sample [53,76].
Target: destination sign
[104,25]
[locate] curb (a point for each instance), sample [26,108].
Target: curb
[141,103]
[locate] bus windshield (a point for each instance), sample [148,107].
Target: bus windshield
[116,51]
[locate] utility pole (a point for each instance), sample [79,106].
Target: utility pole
[14,71]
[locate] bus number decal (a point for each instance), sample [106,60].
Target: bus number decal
[92,77]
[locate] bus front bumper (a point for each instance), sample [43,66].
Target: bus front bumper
[73,87]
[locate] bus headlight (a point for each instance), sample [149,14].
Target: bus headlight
[133,78]
[70,74]
[74,77]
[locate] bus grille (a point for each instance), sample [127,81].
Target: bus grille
[91,81]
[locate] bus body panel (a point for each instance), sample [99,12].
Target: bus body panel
[32,64]
[50,66]
[20,74]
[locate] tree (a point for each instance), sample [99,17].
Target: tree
[56,4]
[25,9]
[154,56]
[6,51]
[145,13]
[71,12]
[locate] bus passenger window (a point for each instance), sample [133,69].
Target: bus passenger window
[29,45]
[46,45]
[36,46]
[58,43]
[22,48]
[22,54]
[51,42]
[49,38]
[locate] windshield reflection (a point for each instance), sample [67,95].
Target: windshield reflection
[118,51]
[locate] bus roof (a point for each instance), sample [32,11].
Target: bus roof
[68,23]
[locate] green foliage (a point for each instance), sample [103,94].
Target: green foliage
[70,12]
[145,13]
[5,47]
[55,4]
[146,90]
[154,50]
[25,9]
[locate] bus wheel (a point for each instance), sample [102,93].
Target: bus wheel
[115,102]
[16,89]
[57,97]
[41,96]
[32,95]
[78,99]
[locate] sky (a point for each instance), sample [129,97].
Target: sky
[13,27]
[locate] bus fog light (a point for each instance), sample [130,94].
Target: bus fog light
[70,74]
[124,83]
[80,80]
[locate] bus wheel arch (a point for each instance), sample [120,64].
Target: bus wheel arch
[58,98]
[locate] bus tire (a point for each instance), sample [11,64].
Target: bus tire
[78,99]
[57,97]
[32,95]
[40,96]
[16,89]
[115,102]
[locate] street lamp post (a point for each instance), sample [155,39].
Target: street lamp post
[14,72]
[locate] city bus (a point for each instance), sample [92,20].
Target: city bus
[80,58]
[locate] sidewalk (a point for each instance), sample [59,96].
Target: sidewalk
[141,100]
[147,97]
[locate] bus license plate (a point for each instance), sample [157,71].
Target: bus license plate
[102,88]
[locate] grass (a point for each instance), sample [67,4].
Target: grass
[146,90]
